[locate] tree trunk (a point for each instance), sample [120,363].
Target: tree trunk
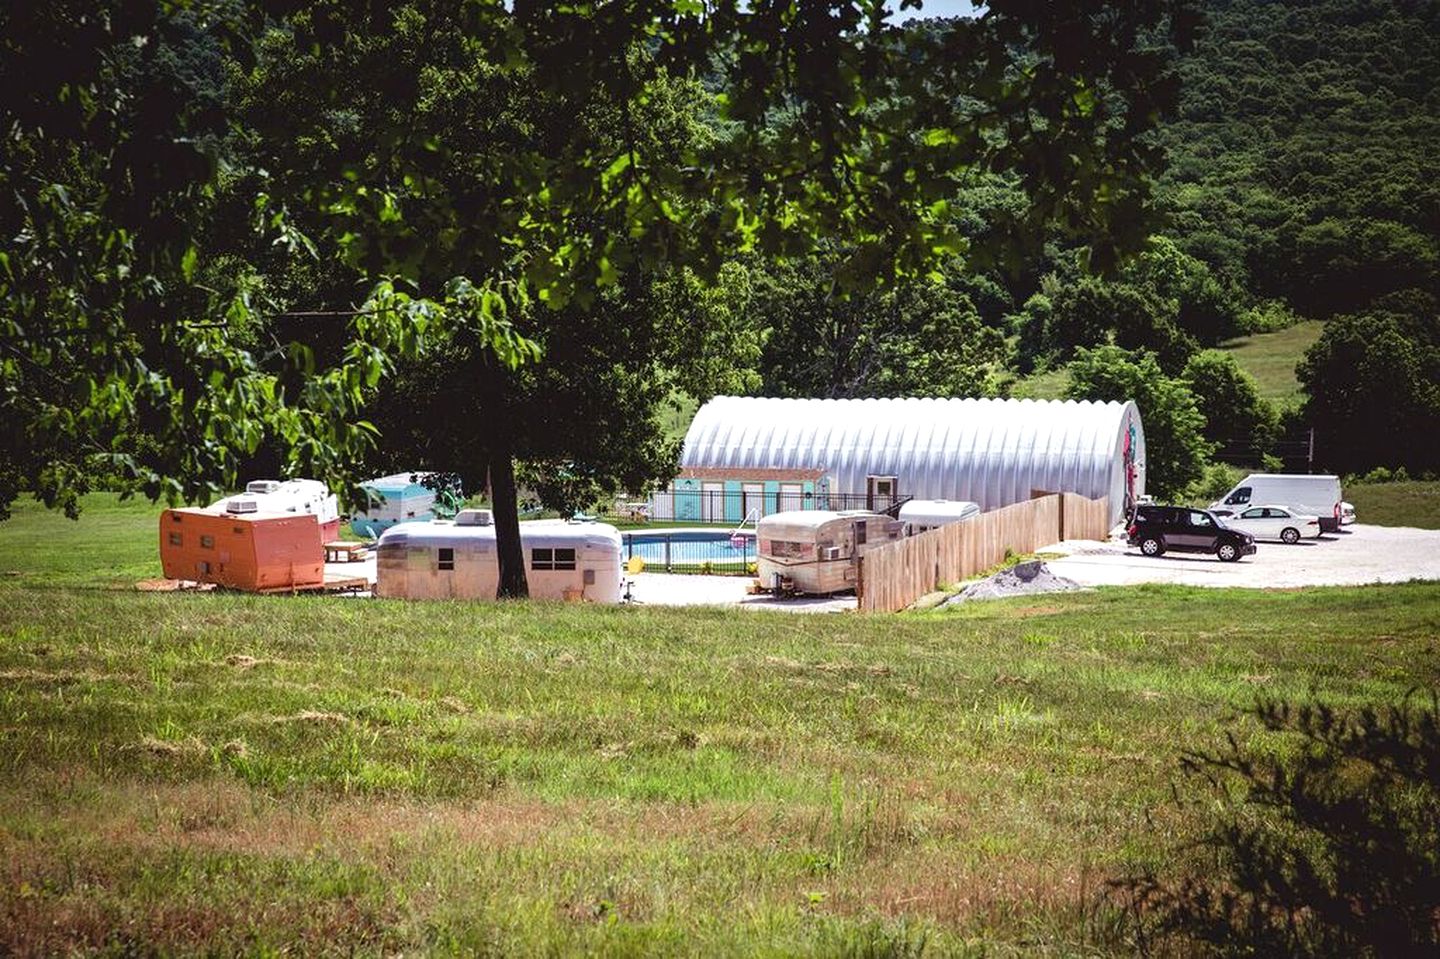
[509,553]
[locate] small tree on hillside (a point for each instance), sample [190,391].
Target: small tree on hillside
[1175,445]
[1237,420]
[1372,384]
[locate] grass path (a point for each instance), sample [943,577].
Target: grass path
[1271,359]
[210,772]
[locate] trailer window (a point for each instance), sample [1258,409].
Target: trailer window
[787,549]
[564,559]
[175,539]
[542,558]
[207,542]
[446,557]
[860,533]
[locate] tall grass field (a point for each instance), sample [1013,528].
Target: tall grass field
[209,772]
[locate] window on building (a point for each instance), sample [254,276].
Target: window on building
[446,558]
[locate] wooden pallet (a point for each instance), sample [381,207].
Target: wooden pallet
[332,584]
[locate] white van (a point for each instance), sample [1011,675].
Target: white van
[1305,492]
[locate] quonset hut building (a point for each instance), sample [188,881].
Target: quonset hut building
[746,456]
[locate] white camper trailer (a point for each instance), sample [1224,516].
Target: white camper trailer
[919,515]
[300,496]
[815,551]
[445,559]
[395,499]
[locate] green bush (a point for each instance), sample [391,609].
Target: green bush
[1267,316]
[1217,480]
[1325,845]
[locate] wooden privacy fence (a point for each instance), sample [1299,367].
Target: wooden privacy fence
[897,574]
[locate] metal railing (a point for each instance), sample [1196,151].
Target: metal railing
[704,552]
[728,508]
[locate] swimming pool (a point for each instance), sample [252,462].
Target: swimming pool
[690,549]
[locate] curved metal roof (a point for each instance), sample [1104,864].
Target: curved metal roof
[992,452]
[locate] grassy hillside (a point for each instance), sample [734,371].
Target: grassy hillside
[1271,359]
[1396,504]
[1049,385]
[221,772]
[676,414]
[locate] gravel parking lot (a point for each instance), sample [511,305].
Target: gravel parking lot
[1356,555]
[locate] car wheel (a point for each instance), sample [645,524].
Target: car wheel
[1290,535]
[1151,546]
[1227,552]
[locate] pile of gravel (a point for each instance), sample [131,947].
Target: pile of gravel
[1022,579]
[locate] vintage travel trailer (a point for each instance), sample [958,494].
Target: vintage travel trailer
[294,497]
[919,515]
[815,551]
[399,498]
[455,559]
[257,552]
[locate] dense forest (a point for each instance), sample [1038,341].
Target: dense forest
[1301,182]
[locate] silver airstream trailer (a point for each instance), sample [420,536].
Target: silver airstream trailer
[919,515]
[815,551]
[445,559]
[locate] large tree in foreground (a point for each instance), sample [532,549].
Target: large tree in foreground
[828,123]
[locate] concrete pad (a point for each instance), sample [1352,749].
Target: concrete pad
[1354,556]
[669,589]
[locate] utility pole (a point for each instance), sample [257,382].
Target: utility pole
[1310,456]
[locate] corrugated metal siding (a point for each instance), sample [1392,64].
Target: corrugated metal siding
[992,452]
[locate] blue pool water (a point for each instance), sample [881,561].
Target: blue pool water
[688,547]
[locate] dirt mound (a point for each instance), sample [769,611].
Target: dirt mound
[1022,579]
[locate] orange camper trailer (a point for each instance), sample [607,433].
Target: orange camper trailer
[255,551]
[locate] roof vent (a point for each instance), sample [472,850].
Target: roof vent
[262,486]
[473,517]
[242,504]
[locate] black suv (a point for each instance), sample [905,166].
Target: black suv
[1157,528]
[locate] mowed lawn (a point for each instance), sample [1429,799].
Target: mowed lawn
[1413,503]
[208,772]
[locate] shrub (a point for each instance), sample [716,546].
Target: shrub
[1267,316]
[1328,846]
[1217,480]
